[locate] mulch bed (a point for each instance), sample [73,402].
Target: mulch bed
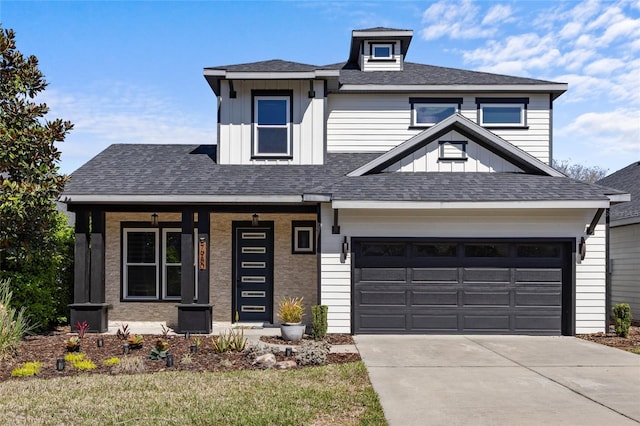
[610,339]
[47,349]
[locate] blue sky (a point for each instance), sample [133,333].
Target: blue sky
[131,71]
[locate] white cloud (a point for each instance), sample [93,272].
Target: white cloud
[455,21]
[498,13]
[604,66]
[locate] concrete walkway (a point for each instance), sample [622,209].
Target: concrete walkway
[502,380]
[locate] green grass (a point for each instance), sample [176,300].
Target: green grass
[338,394]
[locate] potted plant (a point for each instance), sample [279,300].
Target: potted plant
[290,312]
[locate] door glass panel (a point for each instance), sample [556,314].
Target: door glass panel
[486,250]
[254,235]
[382,249]
[435,250]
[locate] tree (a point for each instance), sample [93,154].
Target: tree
[30,181]
[579,171]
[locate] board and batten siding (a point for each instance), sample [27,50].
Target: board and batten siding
[235,127]
[379,122]
[507,223]
[478,159]
[625,266]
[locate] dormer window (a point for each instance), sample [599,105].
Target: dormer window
[272,124]
[382,51]
[426,112]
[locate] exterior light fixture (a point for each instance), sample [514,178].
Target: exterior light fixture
[169,360]
[100,342]
[60,364]
[154,219]
[255,219]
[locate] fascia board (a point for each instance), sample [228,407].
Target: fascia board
[619,198]
[625,221]
[483,88]
[469,205]
[176,199]
[381,34]
[283,75]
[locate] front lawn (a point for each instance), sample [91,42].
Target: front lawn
[338,394]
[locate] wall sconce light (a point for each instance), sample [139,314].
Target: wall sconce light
[255,219]
[345,247]
[154,219]
[582,248]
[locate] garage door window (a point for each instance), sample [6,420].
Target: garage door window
[539,250]
[385,250]
[435,250]
[486,250]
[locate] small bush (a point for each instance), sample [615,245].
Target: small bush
[257,349]
[72,344]
[111,361]
[135,341]
[159,350]
[622,314]
[74,357]
[291,310]
[231,341]
[319,321]
[85,364]
[312,353]
[13,322]
[123,332]
[27,369]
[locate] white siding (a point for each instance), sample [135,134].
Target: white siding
[625,260]
[479,159]
[369,64]
[336,272]
[235,127]
[379,122]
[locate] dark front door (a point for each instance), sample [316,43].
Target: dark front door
[253,273]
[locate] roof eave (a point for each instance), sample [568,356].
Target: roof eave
[555,89]
[458,205]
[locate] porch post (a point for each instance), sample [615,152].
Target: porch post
[203,268]
[187,275]
[81,258]
[97,257]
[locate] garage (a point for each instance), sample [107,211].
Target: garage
[437,286]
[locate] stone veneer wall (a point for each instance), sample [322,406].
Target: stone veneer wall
[294,275]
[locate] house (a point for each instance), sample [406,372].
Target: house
[624,263]
[408,198]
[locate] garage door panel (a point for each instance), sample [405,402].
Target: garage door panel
[553,275]
[487,322]
[383,298]
[485,298]
[383,322]
[542,298]
[434,298]
[501,275]
[438,275]
[434,322]
[383,274]
[541,323]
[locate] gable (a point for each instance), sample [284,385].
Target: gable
[453,152]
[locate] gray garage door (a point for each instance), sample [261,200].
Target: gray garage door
[427,286]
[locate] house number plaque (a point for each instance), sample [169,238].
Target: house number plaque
[202,254]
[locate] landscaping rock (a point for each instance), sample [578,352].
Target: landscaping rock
[283,365]
[266,360]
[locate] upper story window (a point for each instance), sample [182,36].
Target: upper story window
[272,124]
[382,50]
[429,111]
[502,112]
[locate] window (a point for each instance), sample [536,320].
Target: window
[152,269]
[272,126]
[453,150]
[502,112]
[429,111]
[382,51]
[303,237]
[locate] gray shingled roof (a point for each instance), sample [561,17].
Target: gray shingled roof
[272,65]
[441,186]
[627,180]
[381,29]
[191,170]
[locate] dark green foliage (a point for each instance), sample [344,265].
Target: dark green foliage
[312,352]
[622,315]
[319,318]
[159,350]
[33,243]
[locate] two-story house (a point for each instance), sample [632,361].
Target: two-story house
[408,198]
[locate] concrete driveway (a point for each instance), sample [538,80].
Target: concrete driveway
[502,380]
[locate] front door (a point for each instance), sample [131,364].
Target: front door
[253,273]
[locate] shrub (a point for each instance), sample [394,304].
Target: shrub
[114,360]
[123,332]
[159,350]
[85,364]
[231,341]
[72,344]
[622,314]
[82,328]
[27,369]
[257,349]
[312,353]
[74,357]
[135,341]
[13,323]
[291,310]
[319,321]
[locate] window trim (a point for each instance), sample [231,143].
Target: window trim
[463,150]
[287,96]
[164,263]
[456,103]
[303,225]
[372,49]
[125,263]
[503,102]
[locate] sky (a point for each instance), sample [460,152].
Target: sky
[132,71]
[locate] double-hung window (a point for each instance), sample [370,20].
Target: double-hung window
[152,263]
[272,125]
[502,112]
[429,111]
